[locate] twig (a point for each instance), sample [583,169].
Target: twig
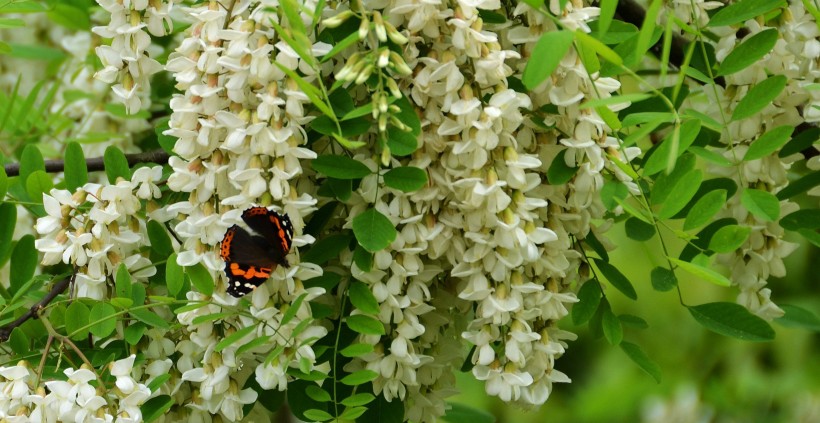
[43,360]
[95,164]
[34,311]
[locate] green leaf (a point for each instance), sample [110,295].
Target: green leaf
[360,377]
[406,179]
[733,320]
[149,318]
[646,32]
[317,415]
[19,342]
[31,160]
[69,16]
[665,183]
[122,282]
[363,258]
[559,172]
[401,143]
[160,241]
[8,220]
[741,11]
[235,337]
[357,350]
[76,317]
[24,258]
[684,190]
[408,116]
[589,297]
[596,246]
[373,230]
[710,156]
[290,314]
[201,278]
[102,319]
[616,278]
[4,183]
[158,381]
[797,317]
[749,52]
[340,167]
[704,273]
[11,23]
[672,146]
[611,192]
[760,96]
[362,298]
[769,142]
[545,57]
[613,332]
[37,184]
[174,275]
[116,165]
[799,186]
[633,321]
[704,209]
[801,141]
[729,238]
[133,334]
[639,230]
[357,400]
[763,204]
[598,47]
[801,219]
[167,142]
[156,407]
[255,342]
[636,354]
[327,248]
[365,325]
[317,394]
[663,279]
[76,173]
[309,90]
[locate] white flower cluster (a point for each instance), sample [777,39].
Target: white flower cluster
[97,228]
[794,56]
[80,397]
[127,60]
[481,229]
[239,128]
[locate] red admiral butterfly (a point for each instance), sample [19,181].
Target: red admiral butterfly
[250,258]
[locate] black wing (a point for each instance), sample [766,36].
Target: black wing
[276,228]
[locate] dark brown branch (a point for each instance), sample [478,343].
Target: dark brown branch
[34,311]
[97,163]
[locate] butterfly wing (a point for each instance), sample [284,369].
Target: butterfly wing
[248,260]
[276,228]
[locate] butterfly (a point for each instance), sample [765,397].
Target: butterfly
[251,257]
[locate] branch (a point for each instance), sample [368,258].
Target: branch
[97,163]
[34,311]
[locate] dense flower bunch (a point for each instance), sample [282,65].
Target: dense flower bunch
[490,249]
[793,57]
[72,399]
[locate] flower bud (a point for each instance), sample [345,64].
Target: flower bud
[381,31]
[364,28]
[335,21]
[395,35]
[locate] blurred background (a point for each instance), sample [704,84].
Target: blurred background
[705,377]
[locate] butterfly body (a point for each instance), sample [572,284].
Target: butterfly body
[251,257]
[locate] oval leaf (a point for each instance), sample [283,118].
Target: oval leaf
[76,317]
[704,209]
[636,354]
[174,275]
[733,320]
[729,238]
[365,325]
[373,230]
[76,173]
[102,319]
[760,96]
[613,331]
[361,298]
[545,56]
[763,204]
[663,279]
[750,51]
[704,273]
[616,278]
[116,165]
[407,179]
[589,297]
[340,167]
[742,11]
[769,142]
[684,190]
